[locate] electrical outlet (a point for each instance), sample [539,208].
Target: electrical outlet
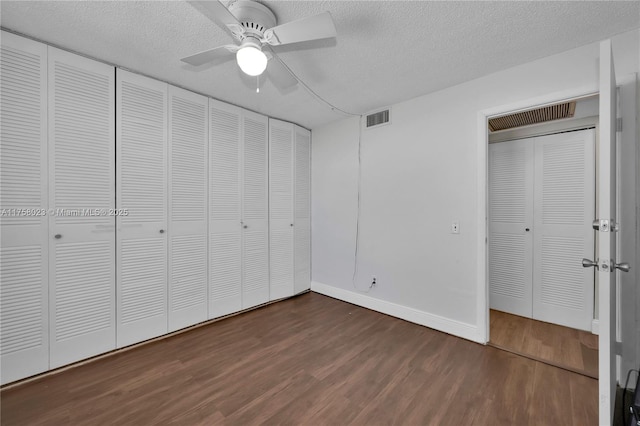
[455,227]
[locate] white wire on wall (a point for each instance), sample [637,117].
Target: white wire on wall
[360,124]
[355,256]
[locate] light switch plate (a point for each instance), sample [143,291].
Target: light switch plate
[455,227]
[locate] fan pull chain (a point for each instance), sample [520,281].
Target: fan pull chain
[258,84]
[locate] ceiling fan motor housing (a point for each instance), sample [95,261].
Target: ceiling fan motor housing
[254,17]
[251,41]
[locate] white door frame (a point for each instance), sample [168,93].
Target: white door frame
[482,309]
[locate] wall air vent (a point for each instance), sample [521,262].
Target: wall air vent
[378,118]
[534,116]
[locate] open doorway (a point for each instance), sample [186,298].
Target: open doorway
[540,204]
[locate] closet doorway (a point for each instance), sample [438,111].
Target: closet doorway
[541,183]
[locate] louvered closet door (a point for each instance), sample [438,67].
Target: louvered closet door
[564,202]
[82,191]
[141,135]
[255,215]
[280,209]
[225,231]
[24,340]
[187,208]
[302,208]
[510,215]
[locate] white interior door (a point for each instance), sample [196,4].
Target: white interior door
[141,144]
[255,209]
[510,223]
[564,208]
[24,238]
[302,220]
[281,209]
[225,229]
[607,239]
[187,233]
[82,191]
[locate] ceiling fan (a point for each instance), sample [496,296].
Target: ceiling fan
[253,25]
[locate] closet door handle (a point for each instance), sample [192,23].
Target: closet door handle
[57,236]
[245,226]
[162,231]
[624,267]
[526,229]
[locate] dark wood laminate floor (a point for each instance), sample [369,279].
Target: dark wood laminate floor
[310,360]
[567,347]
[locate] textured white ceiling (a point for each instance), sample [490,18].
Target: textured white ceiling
[385,52]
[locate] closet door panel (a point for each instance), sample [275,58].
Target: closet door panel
[225,205]
[302,220]
[81,194]
[563,291]
[187,208]
[281,209]
[141,143]
[24,239]
[255,215]
[510,215]
[281,263]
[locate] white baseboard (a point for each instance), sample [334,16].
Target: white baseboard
[595,326]
[456,328]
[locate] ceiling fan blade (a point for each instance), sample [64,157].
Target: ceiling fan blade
[217,12]
[312,28]
[280,75]
[220,52]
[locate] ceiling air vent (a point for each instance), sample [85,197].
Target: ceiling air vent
[378,118]
[534,116]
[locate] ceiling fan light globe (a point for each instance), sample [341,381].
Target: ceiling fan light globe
[252,61]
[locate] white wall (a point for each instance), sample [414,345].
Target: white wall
[418,175]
